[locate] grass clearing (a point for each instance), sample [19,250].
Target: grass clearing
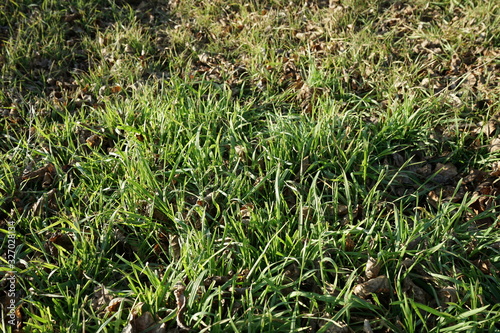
[262,167]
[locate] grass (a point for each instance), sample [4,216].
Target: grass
[259,154]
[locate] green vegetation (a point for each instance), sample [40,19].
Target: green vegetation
[272,166]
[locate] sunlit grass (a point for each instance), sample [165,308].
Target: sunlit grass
[258,155]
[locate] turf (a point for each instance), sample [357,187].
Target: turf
[173,166]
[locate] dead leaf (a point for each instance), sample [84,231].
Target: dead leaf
[447,193]
[495,145]
[342,210]
[448,295]
[72,17]
[239,291]
[246,212]
[372,268]
[444,172]
[367,327]
[216,280]
[240,152]
[139,137]
[115,303]
[94,141]
[46,203]
[377,285]
[349,243]
[175,246]
[335,327]
[100,298]
[415,292]
[483,265]
[487,129]
[475,177]
[59,240]
[412,245]
[180,300]
[142,323]
[44,175]
[115,89]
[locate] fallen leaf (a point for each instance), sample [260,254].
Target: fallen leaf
[46,203]
[246,212]
[487,129]
[377,285]
[180,300]
[94,140]
[216,281]
[444,172]
[415,292]
[175,246]
[342,210]
[116,89]
[142,323]
[72,17]
[495,145]
[115,303]
[63,241]
[44,175]
[366,326]
[372,268]
[139,137]
[483,265]
[240,152]
[448,295]
[349,243]
[100,298]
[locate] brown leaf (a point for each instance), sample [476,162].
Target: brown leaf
[242,275]
[115,89]
[142,323]
[46,203]
[72,17]
[246,212]
[448,295]
[115,303]
[100,298]
[487,129]
[414,291]
[445,194]
[412,245]
[475,176]
[444,172]
[342,210]
[139,137]
[239,291]
[58,239]
[216,280]
[495,145]
[240,152]
[349,243]
[367,327]
[483,265]
[180,300]
[44,175]
[372,268]
[175,246]
[94,140]
[377,285]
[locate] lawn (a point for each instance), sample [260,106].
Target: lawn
[263,166]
